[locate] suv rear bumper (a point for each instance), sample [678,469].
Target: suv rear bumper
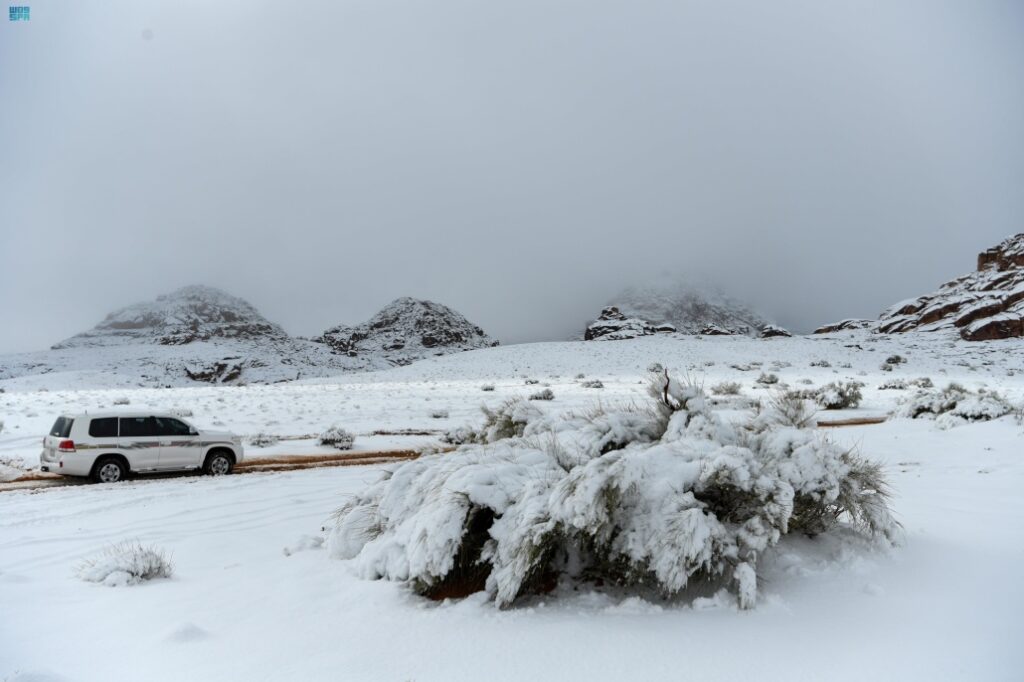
[73,464]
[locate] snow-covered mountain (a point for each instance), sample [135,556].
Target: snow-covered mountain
[674,304]
[194,334]
[982,305]
[406,330]
[193,313]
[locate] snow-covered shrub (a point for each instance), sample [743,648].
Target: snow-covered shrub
[820,363]
[125,563]
[893,385]
[531,382]
[1,425]
[262,440]
[921,382]
[954,405]
[726,388]
[546,394]
[487,387]
[122,400]
[439,414]
[895,360]
[641,498]
[593,383]
[337,438]
[768,378]
[180,411]
[839,395]
[508,420]
[655,368]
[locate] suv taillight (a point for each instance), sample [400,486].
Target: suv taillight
[66,446]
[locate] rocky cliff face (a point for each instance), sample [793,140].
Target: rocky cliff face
[985,304]
[406,330]
[612,325]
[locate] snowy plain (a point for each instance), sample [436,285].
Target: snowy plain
[252,597]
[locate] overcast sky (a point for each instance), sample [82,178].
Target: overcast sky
[518,160]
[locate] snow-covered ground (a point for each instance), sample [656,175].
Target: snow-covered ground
[944,605]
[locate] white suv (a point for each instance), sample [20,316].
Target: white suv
[107,446]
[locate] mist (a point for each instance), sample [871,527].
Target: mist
[518,161]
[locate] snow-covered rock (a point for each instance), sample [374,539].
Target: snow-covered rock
[406,330]
[678,304]
[612,325]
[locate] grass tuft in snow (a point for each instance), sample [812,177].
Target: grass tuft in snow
[125,563]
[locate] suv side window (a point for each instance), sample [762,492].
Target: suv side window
[105,427]
[134,427]
[166,426]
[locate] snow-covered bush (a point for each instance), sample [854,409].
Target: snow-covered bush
[122,400]
[180,411]
[768,378]
[1,425]
[820,363]
[439,414]
[487,387]
[337,438]
[546,394]
[893,385]
[592,383]
[726,388]
[125,563]
[954,405]
[531,382]
[655,368]
[262,440]
[642,498]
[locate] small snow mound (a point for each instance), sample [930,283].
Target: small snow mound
[187,632]
[303,544]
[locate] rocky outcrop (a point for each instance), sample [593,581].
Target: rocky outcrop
[770,330]
[406,330]
[984,305]
[612,325]
[844,325]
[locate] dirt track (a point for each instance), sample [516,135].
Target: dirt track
[39,480]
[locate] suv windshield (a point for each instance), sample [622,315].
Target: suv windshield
[61,427]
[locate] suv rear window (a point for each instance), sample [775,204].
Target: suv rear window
[137,426]
[105,427]
[61,427]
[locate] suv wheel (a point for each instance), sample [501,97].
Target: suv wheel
[218,464]
[109,470]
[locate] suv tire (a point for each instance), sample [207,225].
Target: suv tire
[109,470]
[218,463]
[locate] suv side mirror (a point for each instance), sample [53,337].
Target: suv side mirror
[192,431]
